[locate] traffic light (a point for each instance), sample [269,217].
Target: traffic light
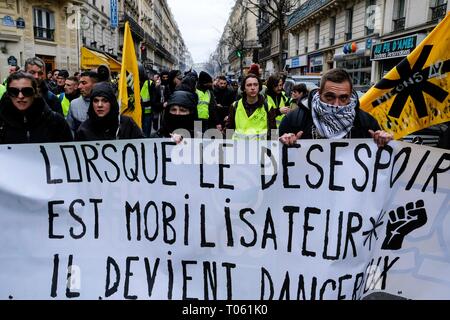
[239,53]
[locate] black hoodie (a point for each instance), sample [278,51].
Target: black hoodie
[106,128]
[171,122]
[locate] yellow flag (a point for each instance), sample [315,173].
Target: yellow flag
[415,94]
[130,65]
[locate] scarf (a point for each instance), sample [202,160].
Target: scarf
[333,122]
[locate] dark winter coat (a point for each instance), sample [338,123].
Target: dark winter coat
[37,124]
[301,120]
[110,127]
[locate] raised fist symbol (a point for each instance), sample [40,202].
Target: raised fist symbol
[402,222]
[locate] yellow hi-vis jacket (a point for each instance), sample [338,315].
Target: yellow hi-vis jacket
[250,128]
[204,98]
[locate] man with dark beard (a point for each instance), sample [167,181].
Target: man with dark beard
[225,97]
[332,112]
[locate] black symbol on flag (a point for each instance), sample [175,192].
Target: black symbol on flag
[413,83]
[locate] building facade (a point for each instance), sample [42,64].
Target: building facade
[63,32]
[38,28]
[158,40]
[239,41]
[358,35]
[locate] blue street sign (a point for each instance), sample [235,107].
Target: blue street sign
[114,14]
[8,21]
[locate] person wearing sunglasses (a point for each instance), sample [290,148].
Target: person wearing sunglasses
[331,112]
[25,117]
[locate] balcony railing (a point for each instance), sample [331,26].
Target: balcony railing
[134,26]
[44,33]
[399,24]
[305,10]
[264,53]
[438,12]
[348,36]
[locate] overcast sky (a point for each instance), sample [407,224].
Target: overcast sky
[201,23]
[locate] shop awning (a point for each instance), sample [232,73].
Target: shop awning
[91,60]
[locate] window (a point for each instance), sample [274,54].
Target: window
[306,40]
[370,16]
[399,15]
[332,30]
[348,24]
[439,10]
[317,37]
[44,24]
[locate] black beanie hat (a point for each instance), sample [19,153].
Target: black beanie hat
[204,77]
[104,89]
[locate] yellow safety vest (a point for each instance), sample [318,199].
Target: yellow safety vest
[204,98]
[2,90]
[65,104]
[145,96]
[273,105]
[250,128]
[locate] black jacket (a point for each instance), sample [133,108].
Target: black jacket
[38,124]
[88,131]
[110,127]
[301,120]
[50,98]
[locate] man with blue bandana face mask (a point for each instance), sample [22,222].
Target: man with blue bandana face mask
[332,112]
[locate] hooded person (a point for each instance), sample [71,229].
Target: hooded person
[180,114]
[105,121]
[174,79]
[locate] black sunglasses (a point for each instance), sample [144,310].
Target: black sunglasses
[26,91]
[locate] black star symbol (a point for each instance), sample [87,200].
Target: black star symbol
[413,83]
[373,232]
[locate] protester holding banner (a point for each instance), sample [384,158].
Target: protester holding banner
[251,117]
[180,114]
[25,117]
[105,122]
[331,112]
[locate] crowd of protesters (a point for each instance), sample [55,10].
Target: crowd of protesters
[38,106]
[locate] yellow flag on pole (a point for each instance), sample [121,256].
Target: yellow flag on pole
[129,64]
[415,94]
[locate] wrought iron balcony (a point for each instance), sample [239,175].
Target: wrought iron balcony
[44,33]
[438,12]
[264,53]
[399,24]
[306,9]
[134,26]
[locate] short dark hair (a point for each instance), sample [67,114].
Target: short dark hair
[337,76]
[22,75]
[223,78]
[251,75]
[301,88]
[74,79]
[91,74]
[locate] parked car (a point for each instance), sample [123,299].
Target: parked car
[311,82]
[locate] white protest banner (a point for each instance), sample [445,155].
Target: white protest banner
[212,220]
